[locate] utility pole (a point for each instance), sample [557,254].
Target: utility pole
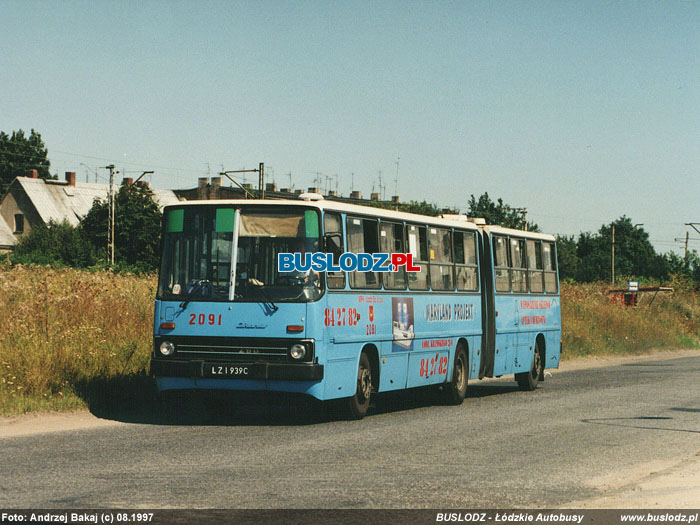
[111,215]
[261,179]
[396,180]
[612,265]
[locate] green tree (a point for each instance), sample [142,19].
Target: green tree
[499,213]
[567,257]
[420,208]
[137,228]
[56,244]
[595,255]
[18,154]
[687,266]
[634,254]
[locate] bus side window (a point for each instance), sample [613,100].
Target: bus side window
[441,259]
[465,261]
[391,240]
[418,246]
[534,265]
[333,229]
[550,267]
[363,238]
[518,274]
[501,263]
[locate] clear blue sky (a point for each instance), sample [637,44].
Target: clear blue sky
[578,111]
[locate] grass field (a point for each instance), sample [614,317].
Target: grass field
[72,338]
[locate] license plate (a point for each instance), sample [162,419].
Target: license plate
[216,370]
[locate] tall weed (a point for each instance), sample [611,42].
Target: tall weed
[64,330]
[594,324]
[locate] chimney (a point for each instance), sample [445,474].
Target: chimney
[375,197]
[32,174]
[247,186]
[202,185]
[315,190]
[128,182]
[332,193]
[356,194]
[70,178]
[285,190]
[298,192]
[396,199]
[215,190]
[270,186]
[143,184]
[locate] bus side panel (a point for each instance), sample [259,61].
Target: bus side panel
[393,371]
[428,368]
[340,374]
[553,355]
[475,351]
[507,326]
[440,322]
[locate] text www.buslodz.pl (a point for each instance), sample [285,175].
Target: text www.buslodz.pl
[347,262]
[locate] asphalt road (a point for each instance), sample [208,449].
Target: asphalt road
[502,448]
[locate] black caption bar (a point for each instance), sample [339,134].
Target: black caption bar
[345,516]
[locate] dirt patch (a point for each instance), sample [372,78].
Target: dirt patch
[655,485]
[38,423]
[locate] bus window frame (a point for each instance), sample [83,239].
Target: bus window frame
[518,244]
[423,263]
[464,264]
[440,232]
[554,267]
[335,275]
[402,270]
[535,272]
[352,275]
[502,267]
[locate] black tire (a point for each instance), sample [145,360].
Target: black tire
[528,381]
[454,391]
[357,405]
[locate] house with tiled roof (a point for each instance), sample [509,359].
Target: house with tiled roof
[31,201]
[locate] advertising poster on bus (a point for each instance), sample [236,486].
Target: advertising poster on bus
[402,324]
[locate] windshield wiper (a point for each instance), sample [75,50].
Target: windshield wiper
[196,286]
[268,300]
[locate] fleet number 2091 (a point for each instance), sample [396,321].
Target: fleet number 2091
[202,319]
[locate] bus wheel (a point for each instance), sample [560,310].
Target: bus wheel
[455,391]
[529,380]
[358,404]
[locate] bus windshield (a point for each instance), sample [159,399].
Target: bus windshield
[198,249]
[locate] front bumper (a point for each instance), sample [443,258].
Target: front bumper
[260,371]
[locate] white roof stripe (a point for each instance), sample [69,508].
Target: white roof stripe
[341,207]
[500,230]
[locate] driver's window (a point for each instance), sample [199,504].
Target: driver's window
[333,229]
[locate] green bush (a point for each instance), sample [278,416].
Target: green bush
[56,244]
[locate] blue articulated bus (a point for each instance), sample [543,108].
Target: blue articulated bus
[479,301]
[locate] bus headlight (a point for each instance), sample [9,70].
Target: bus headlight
[167,348]
[297,351]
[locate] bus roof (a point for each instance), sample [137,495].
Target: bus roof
[454,222]
[500,230]
[337,206]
